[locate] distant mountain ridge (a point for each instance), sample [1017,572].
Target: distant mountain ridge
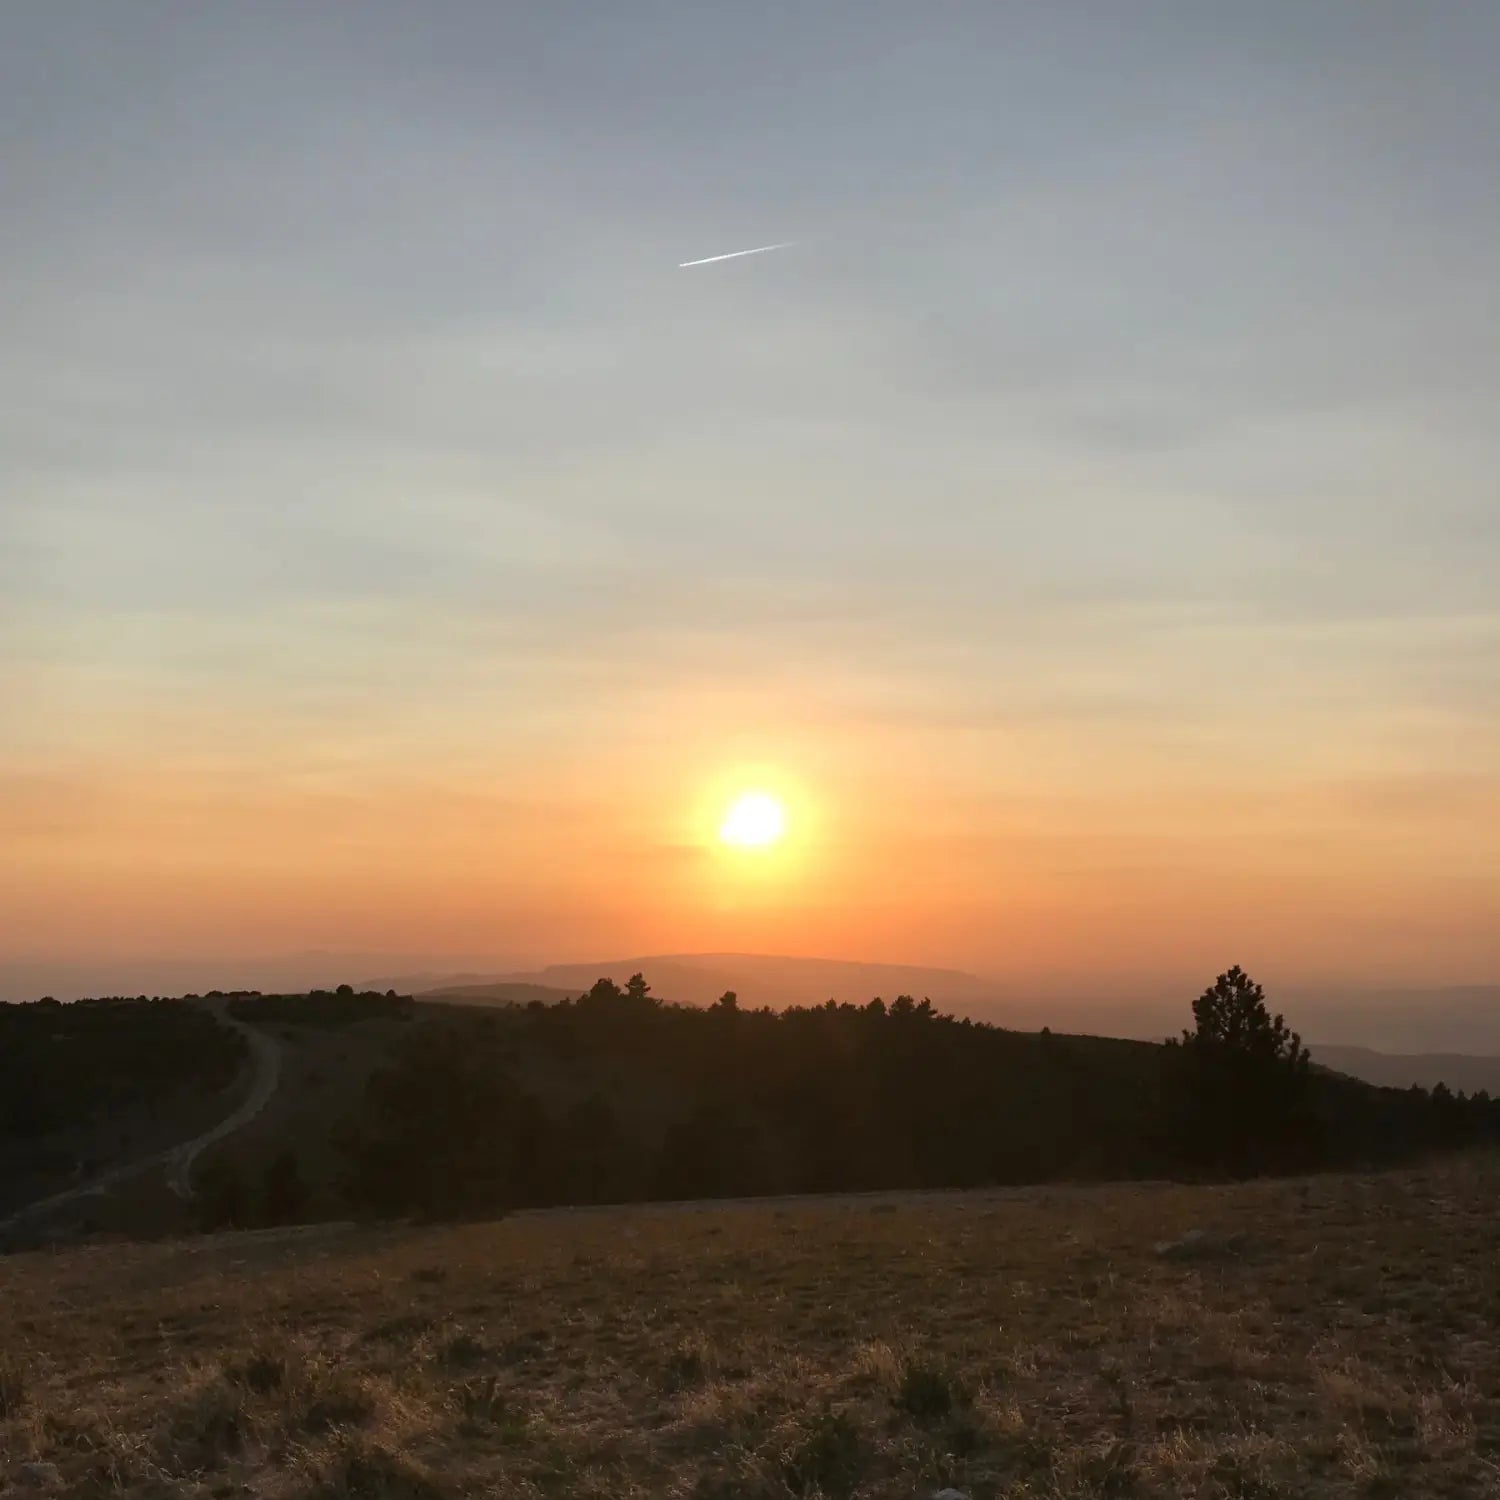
[758,979]
[67,979]
[1461,1072]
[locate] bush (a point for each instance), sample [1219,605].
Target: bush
[927,1393]
[368,1471]
[13,1391]
[829,1460]
[261,1373]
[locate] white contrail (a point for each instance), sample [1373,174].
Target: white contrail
[708,260]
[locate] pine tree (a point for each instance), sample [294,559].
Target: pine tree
[1240,1083]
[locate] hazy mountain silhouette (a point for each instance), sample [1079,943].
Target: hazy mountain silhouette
[30,979]
[757,978]
[1461,1072]
[1459,1019]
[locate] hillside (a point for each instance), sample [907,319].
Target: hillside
[89,1086]
[1066,1344]
[702,985]
[378,1106]
[101,1096]
[1419,1023]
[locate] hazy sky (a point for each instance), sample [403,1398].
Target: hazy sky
[1090,526]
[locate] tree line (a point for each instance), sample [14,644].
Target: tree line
[619,1097]
[66,1065]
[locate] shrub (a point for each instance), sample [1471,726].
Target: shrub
[13,1390]
[484,1402]
[461,1350]
[261,1373]
[829,1459]
[366,1471]
[927,1393]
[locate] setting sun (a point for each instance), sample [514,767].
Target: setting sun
[754,820]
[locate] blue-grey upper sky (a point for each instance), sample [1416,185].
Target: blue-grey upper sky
[1133,376]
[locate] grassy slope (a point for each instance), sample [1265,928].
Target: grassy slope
[1017,1343]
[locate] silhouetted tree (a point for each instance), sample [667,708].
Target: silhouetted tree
[602,996]
[1230,1019]
[1240,1082]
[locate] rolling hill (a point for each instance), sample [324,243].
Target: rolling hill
[502,1095]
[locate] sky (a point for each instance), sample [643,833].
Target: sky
[1088,528]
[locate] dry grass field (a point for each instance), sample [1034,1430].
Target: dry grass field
[1334,1336]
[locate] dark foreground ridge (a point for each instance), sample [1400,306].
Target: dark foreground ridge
[387,1108]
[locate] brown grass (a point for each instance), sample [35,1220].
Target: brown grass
[1008,1344]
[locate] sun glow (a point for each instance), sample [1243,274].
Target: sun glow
[755,820]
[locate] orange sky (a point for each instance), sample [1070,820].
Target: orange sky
[1043,844]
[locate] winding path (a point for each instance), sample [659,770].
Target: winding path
[265,1066]
[265,1059]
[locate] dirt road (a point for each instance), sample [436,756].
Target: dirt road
[265,1060]
[265,1074]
